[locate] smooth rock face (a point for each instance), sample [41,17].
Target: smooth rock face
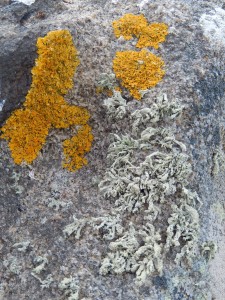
[38,201]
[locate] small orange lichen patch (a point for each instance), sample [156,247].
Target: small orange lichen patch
[148,35]
[76,147]
[153,35]
[138,70]
[45,108]
[129,25]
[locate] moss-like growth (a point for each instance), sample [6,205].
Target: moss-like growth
[45,108]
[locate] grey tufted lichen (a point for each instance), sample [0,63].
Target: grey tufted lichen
[147,177]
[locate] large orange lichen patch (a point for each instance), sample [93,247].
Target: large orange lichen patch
[45,108]
[148,35]
[138,70]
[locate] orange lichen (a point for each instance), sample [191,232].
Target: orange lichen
[76,147]
[153,35]
[45,108]
[138,70]
[129,25]
[26,130]
[148,35]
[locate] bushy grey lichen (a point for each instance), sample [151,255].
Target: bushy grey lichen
[149,174]
[148,178]
[160,111]
[70,287]
[180,285]
[137,251]
[107,81]
[45,283]
[56,204]
[22,246]
[110,226]
[183,229]
[41,263]
[12,265]
[115,106]
[218,161]
[208,250]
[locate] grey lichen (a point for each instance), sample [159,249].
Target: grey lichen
[45,283]
[183,228]
[22,246]
[149,173]
[42,262]
[218,161]
[208,250]
[12,265]
[57,204]
[161,110]
[107,81]
[109,225]
[70,287]
[148,179]
[115,106]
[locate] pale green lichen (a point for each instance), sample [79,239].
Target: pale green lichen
[149,173]
[12,265]
[183,229]
[22,246]
[218,161]
[57,204]
[107,81]
[42,262]
[45,283]
[136,252]
[115,106]
[162,110]
[110,225]
[148,177]
[70,287]
[208,250]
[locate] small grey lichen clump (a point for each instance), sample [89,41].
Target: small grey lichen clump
[218,161]
[147,178]
[115,106]
[71,288]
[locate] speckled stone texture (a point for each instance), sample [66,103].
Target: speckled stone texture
[194,63]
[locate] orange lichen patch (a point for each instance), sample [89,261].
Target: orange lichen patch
[137,25]
[26,131]
[138,70]
[44,107]
[153,35]
[76,147]
[56,63]
[129,25]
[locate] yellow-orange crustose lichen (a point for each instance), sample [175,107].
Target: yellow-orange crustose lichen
[76,147]
[148,35]
[45,108]
[138,70]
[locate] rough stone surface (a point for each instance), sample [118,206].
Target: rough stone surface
[195,65]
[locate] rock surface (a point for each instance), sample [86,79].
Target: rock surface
[38,201]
